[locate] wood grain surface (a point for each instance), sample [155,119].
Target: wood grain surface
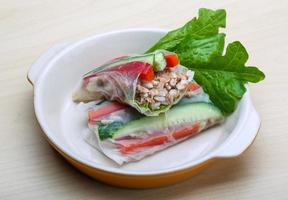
[30,169]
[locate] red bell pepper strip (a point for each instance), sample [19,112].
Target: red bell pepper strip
[172,60]
[147,74]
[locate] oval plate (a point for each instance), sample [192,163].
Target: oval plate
[56,74]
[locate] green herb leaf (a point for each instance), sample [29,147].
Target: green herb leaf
[199,50]
[200,46]
[207,24]
[224,77]
[107,130]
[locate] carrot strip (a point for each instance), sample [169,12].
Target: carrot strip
[161,139]
[95,114]
[171,60]
[193,86]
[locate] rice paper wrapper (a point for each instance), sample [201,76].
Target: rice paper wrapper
[136,146]
[119,83]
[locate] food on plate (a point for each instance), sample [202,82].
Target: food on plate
[200,47]
[151,83]
[124,135]
[182,85]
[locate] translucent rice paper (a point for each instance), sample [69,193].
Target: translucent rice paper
[113,147]
[115,83]
[118,83]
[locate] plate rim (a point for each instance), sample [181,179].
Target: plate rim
[48,133]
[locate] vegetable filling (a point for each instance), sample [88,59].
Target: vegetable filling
[167,86]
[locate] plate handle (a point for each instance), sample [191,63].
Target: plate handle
[243,140]
[39,65]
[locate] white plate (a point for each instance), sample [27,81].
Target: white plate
[55,76]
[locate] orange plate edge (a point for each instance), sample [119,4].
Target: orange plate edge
[134,181]
[140,181]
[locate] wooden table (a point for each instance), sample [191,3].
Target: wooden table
[30,169]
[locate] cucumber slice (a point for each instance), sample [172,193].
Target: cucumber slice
[177,115]
[159,62]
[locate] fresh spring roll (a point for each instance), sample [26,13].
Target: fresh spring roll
[151,83]
[124,135]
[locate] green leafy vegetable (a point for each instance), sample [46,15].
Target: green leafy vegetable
[224,78]
[200,47]
[193,51]
[107,130]
[207,24]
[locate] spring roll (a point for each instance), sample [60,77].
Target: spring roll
[150,83]
[124,135]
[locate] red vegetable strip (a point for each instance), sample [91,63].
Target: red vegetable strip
[193,86]
[161,139]
[151,142]
[172,60]
[147,74]
[186,131]
[93,115]
[132,68]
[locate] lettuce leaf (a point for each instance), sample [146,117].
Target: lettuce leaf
[194,51]
[207,24]
[224,78]
[200,47]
